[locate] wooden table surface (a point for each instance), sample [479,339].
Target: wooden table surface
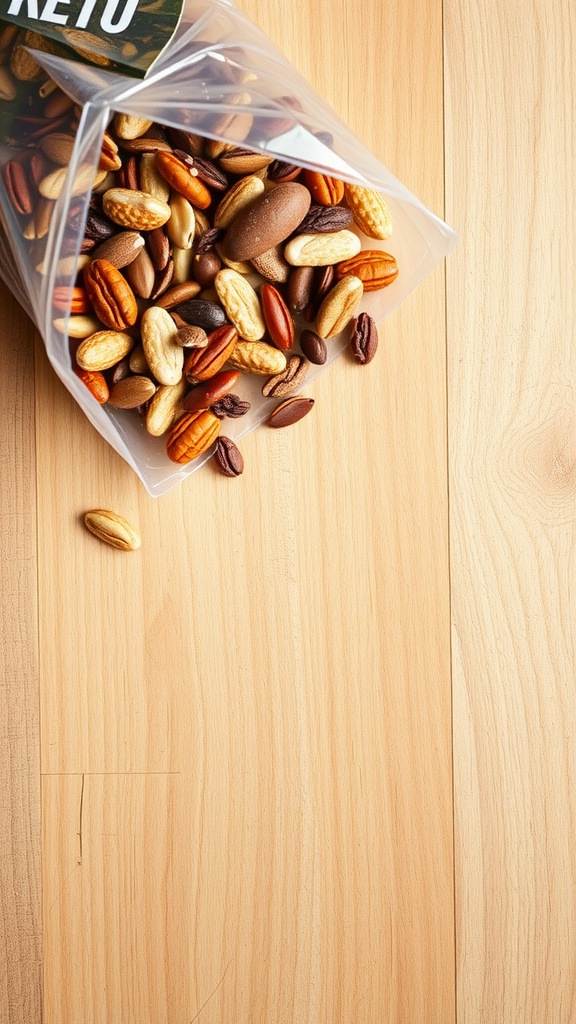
[308,757]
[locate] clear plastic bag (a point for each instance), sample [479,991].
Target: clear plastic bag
[217,73]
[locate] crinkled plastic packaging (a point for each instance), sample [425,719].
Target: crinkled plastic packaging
[217,66]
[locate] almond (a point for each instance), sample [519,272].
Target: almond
[131,392]
[146,144]
[300,288]
[120,249]
[23,65]
[163,281]
[141,274]
[112,529]
[159,247]
[58,147]
[179,293]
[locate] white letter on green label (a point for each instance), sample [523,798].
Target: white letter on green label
[31,8]
[125,18]
[85,13]
[49,12]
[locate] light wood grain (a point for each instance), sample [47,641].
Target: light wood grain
[20,910]
[246,747]
[510,192]
[247,723]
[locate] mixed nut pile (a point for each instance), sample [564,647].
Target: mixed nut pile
[201,261]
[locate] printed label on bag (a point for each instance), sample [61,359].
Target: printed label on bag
[123,36]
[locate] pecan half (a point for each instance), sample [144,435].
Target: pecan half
[324,189]
[17,187]
[112,299]
[192,435]
[375,269]
[96,383]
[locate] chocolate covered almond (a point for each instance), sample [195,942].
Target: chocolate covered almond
[269,220]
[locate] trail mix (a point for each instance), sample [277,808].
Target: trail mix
[201,262]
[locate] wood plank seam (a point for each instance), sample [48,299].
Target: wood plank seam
[448,519]
[20,847]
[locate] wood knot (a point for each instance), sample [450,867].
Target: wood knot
[539,464]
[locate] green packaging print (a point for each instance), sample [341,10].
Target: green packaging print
[124,36]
